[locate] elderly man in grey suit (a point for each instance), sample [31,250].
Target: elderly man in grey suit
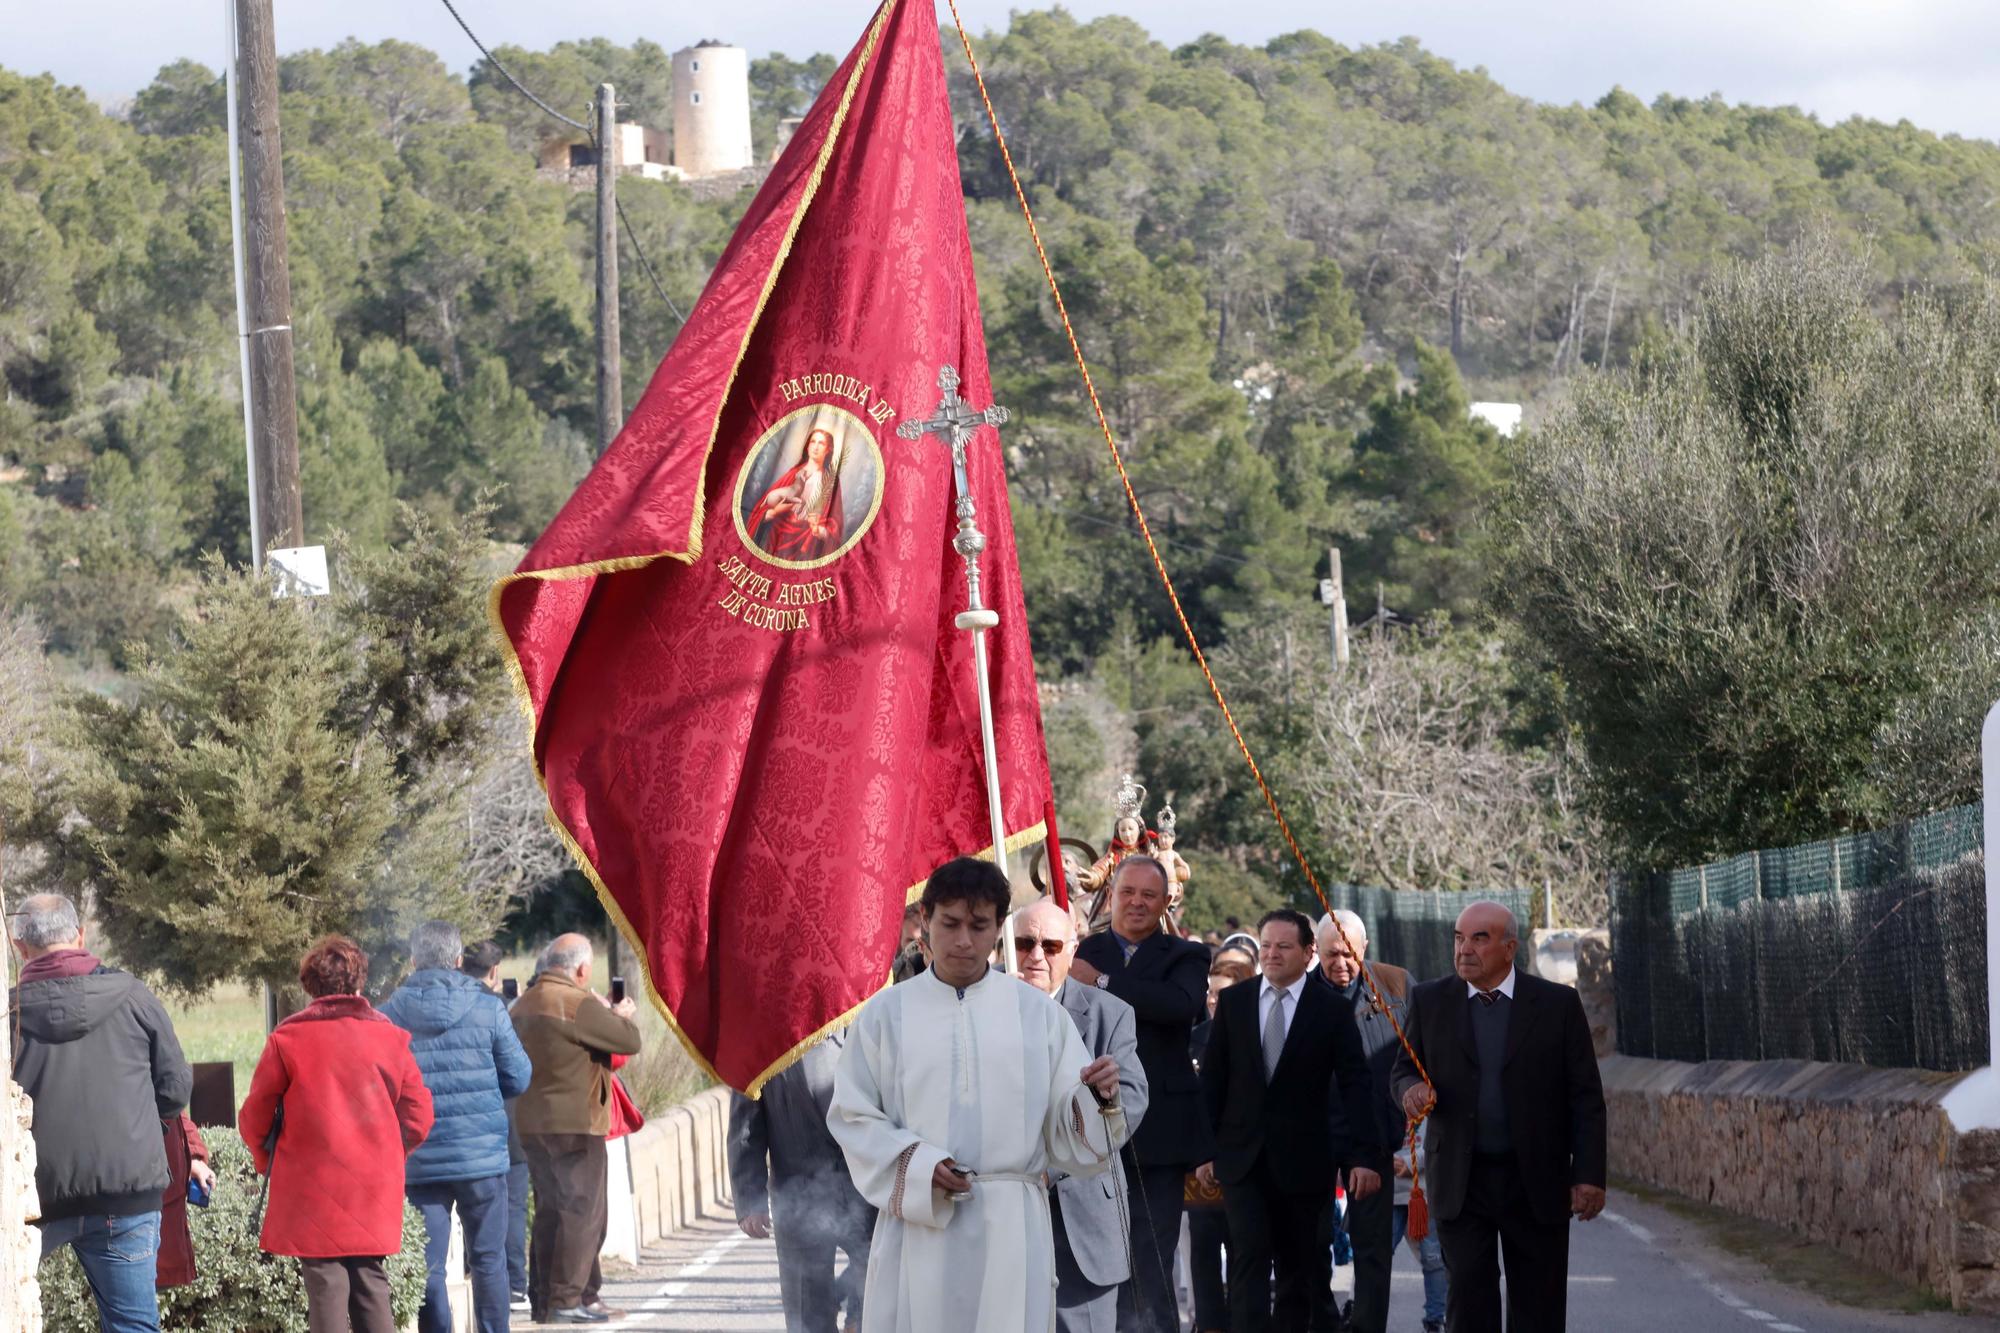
[804,1197]
[1093,1241]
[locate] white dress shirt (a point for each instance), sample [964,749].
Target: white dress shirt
[1268,995]
[1506,987]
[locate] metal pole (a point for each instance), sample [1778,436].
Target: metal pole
[268,280]
[977,620]
[955,424]
[242,310]
[1990,756]
[1338,601]
[610,376]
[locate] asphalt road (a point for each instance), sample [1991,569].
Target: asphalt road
[1637,1269]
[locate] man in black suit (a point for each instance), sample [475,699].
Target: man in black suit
[1517,1138]
[1165,980]
[1288,1091]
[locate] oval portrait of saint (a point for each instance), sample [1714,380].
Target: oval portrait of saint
[810,488]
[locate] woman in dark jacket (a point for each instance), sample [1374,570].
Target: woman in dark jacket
[353,1106]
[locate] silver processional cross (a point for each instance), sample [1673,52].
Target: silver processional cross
[955,423]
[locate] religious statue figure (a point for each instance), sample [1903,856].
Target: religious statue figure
[1131,837]
[1178,870]
[1128,833]
[800,517]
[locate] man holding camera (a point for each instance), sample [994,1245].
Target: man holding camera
[570,1034]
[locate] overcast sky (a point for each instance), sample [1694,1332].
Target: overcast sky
[1933,62]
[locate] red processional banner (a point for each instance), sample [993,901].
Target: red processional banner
[756,724]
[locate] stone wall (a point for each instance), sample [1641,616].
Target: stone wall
[20,1246]
[1864,1160]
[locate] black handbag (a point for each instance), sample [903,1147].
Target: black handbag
[271,1165]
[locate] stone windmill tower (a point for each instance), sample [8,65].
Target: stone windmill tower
[712,109]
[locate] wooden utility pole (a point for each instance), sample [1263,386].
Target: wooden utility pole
[1333,593]
[268,281]
[610,381]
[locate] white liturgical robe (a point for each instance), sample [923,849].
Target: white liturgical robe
[986,1076]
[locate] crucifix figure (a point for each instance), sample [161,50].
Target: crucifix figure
[955,423]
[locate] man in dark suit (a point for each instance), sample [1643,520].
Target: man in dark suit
[1165,980]
[791,1182]
[1342,941]
[1288,1092]
[1517,1138]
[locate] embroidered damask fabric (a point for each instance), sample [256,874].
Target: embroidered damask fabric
[755,720]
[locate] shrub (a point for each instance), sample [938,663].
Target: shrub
[238,1289]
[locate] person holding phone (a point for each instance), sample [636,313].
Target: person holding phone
[191,1181]
[570,1034]
[473,1064]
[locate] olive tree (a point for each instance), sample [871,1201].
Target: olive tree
[1743,557]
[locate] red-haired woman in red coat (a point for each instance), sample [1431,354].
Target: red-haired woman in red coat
[339,1087]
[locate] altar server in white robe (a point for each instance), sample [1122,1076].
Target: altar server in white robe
[958,1090]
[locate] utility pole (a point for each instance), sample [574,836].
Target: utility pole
[610,376]
[279,512]
[1333,594]
[610,380]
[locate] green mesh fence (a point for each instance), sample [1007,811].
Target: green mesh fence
[1869,949]
[1412,929]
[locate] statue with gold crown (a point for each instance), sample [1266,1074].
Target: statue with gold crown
[1131,837]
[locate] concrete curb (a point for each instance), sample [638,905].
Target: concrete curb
[680,1166]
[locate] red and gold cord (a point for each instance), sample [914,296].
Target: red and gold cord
[1173,597]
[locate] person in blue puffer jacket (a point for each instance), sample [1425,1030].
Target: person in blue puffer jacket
[472,1063]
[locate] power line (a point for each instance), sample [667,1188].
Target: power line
[646,263]
[508,74]
[597,146]
[1126,528]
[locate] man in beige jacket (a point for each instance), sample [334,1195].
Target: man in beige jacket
[570,1034]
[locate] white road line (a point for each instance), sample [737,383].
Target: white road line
[1641,1234]
[1644,1235]
[1735,1302]
[673,1289]
[1590,1279]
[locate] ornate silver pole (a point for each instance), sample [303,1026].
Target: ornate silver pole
[955,423]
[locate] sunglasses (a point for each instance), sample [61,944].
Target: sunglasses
[1025,944]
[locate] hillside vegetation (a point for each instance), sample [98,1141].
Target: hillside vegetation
[1290,266]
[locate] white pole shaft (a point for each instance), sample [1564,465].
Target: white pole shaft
[1990,755]
[242,310]
[999,820]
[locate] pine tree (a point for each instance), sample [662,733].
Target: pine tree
[233,818]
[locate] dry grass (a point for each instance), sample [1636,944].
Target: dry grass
[226,1024]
